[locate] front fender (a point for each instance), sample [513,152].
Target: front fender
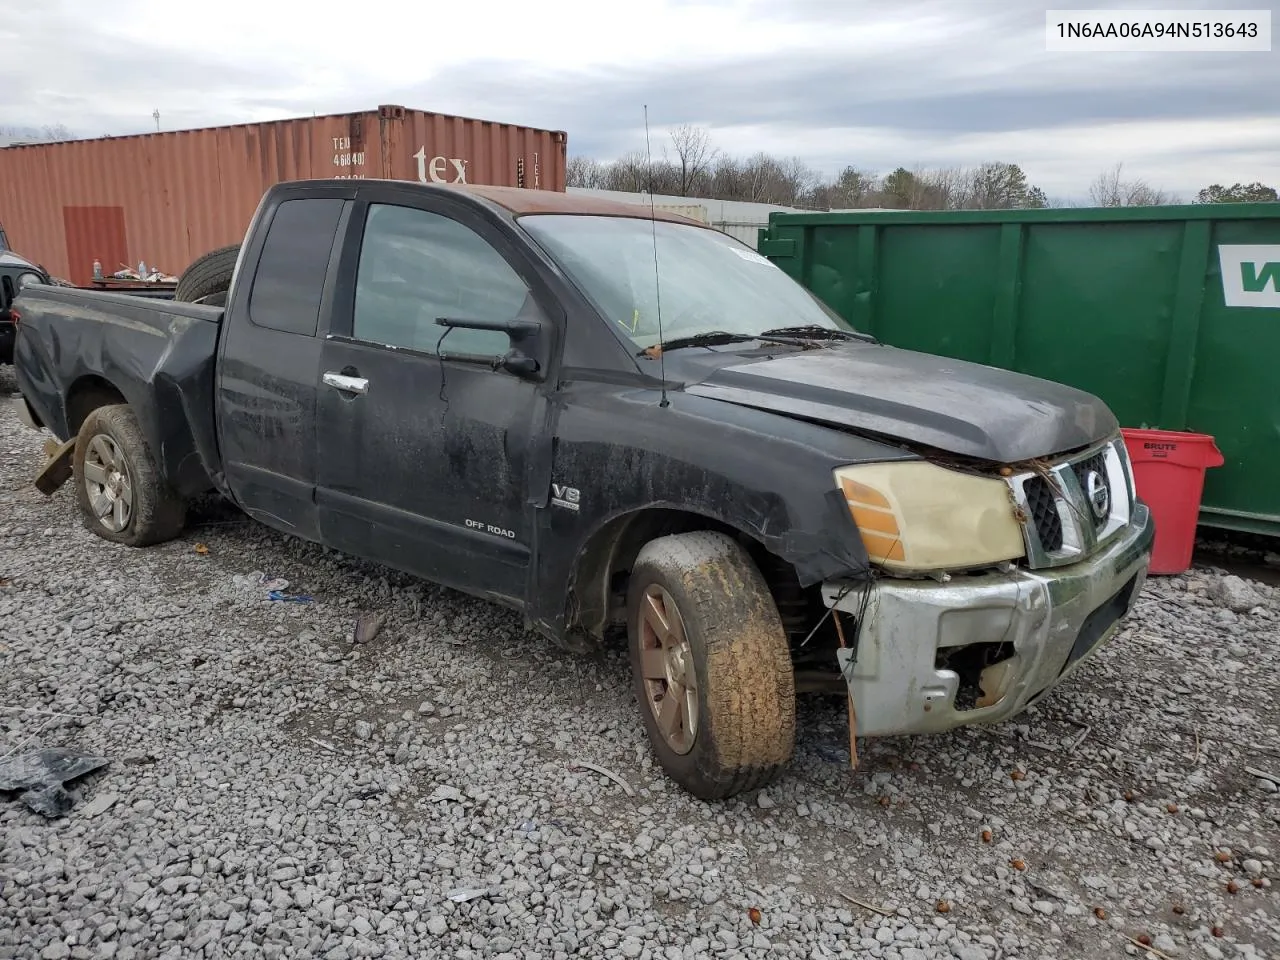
[761,474]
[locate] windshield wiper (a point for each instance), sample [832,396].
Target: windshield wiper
[713,338]
[816,332]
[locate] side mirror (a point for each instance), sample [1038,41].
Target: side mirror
[523,360]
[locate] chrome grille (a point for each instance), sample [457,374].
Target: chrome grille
[1075,505]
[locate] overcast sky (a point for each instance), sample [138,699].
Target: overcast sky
[835,82]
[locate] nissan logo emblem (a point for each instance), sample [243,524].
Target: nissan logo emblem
[1095,489]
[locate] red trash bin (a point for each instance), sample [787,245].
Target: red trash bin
[1168,471]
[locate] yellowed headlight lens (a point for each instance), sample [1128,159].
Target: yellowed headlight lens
[916,516]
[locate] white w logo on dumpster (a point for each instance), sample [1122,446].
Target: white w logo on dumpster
[1250,275]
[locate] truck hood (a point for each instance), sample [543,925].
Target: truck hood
[963,408]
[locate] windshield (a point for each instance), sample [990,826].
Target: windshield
[708,281]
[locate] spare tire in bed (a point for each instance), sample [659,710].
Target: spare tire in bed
[209,274]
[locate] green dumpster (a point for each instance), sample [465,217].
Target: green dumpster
[1169,314]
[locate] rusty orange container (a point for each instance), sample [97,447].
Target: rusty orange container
[167,198]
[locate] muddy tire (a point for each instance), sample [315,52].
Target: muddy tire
[121,493]
[208,276]
[707,643]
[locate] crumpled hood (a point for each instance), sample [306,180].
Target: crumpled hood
[963,408]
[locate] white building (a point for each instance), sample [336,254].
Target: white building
[738,218]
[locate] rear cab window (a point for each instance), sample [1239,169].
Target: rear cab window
[288,284]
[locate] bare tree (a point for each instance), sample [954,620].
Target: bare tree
[584,172]
[1111,190]
[694,155]
[767,178]
[50,133]
[629,173]
[798,180]
[943,189]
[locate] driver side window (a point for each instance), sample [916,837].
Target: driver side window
[416,267]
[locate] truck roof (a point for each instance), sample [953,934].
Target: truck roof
[519,201]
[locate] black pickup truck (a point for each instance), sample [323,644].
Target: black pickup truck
[16,273]
[606,417]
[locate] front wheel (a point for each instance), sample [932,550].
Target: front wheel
[122,494]
[710,664]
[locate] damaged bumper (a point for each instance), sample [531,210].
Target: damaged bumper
[931,656]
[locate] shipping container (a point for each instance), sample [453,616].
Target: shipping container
[166,198]
[1169,314]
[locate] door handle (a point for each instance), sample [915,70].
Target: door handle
[346,384]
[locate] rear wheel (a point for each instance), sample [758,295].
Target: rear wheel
[209,277]
[710,664]
[120,491]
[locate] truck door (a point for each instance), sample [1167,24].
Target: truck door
[266,384]
[422,459]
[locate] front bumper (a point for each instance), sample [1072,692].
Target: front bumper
[910,672]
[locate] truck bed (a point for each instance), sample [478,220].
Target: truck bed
[158,355]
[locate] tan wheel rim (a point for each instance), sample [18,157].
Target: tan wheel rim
[666,668]
[107,482]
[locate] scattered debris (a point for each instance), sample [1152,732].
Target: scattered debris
[607,773]
[833,754]
[865,906]
[755,915]
[1084,733]
[99,804]
[201,549]
[1147,947]
[465,894]
[275,587]
[368,626]
[444,792]
[41,774]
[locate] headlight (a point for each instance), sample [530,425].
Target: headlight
[26,279]
[916,516]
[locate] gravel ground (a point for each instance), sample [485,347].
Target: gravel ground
[276,791]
